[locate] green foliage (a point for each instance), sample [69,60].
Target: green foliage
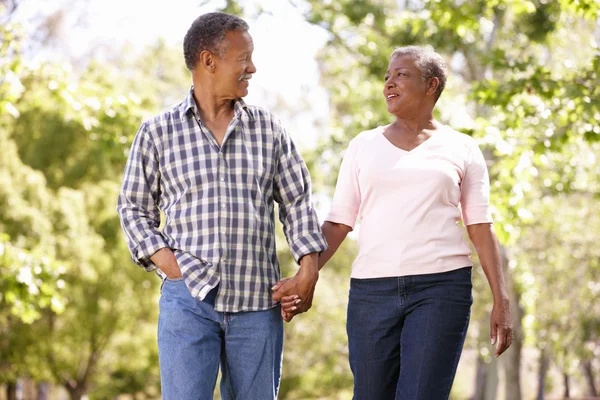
[30,276]
[66,271]
[562,259]
[518,84]
[90,115]
[28,284]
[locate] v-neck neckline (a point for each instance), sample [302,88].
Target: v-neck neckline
[392,145]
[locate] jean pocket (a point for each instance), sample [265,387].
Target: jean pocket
[167,280]
[373,289]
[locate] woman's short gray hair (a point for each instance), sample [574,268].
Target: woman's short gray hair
[430,63]
[208,33]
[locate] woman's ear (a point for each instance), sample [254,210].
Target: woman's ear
[432,85]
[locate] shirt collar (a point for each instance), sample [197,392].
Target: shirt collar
[239,106]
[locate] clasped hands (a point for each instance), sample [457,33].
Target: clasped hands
[296,294]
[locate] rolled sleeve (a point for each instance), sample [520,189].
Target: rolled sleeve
[292,190]
[311,243]
[137,204]
[145,249]
[475,190]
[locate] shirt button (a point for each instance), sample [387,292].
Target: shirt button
[224,258]
[222,179]
[223,205]
[221,155]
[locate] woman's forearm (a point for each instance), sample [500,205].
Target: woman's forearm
[488,250]
[334,234]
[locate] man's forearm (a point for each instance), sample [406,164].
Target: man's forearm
[309,265]
[165,260]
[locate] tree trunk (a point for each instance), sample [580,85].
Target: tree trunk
[511,359]
[480,375]
[567,393]
[486,379]
[542,372]
[588,372]
[76,392]
[28,389]
[43,391]
[491,381]
[11,391]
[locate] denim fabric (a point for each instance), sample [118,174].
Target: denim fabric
[406,334]
[194,339]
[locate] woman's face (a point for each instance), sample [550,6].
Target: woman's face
[404,89]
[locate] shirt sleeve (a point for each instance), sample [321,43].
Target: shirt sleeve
[138,201]
[347,198]
[475,189]
[292,190]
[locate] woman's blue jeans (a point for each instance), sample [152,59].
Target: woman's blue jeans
[406,334]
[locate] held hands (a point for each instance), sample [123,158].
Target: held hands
[501,331]
[296,294]
[290,305]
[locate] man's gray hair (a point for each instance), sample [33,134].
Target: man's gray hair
[208,33]
[429,63]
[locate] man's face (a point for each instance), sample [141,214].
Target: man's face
[235,68]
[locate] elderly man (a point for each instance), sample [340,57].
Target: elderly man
[215,165]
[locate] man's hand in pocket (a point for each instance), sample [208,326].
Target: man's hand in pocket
[165,260]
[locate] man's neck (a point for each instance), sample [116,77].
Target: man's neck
[210,107]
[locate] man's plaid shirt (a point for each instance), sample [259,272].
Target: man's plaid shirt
[218,202]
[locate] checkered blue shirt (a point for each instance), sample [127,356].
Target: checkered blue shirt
[218,202]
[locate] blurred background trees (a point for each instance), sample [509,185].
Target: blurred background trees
[76,314]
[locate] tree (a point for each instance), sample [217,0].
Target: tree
[563,260]
[31,278]
[64,143]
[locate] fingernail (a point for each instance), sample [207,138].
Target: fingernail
[295,297]
[493,341]
[294,308]
[298,301]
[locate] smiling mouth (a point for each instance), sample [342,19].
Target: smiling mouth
[391,96]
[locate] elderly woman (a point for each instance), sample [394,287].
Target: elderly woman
[410,293]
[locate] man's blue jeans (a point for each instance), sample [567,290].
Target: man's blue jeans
[406,334]
[194,339]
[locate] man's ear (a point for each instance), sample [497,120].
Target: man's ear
[207,61]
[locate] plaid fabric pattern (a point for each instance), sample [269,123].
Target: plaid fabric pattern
[218,202]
